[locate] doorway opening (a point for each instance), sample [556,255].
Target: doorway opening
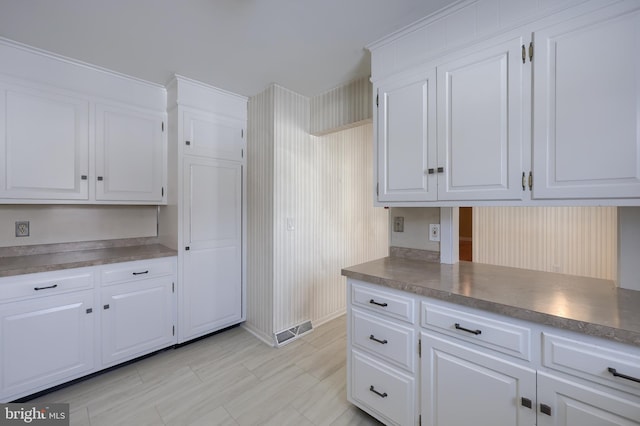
[465,249]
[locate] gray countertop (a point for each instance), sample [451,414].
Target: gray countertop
[587,305]
[83,256]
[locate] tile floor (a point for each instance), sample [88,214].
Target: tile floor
[230,378]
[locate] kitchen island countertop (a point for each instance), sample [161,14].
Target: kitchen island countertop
[586,305]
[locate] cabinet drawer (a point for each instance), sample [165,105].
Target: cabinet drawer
[383,302]
[497,335]
[139,270]
[385,391]
[388,340]
[593,360]
[45,284]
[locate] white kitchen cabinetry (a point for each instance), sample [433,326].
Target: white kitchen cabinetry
[477,154]
[205,216]
[74,134]
[212,135]
[47,328]
[545,113]
[463,386]
[138,304]
[382,343]
[212,293]
[482,368]
[407,147]
[61,325]
[44,141]
[130,154]
[587,107]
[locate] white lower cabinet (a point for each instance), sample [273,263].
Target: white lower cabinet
[481,368]
[138,315]
[54,326]
[570,403]
[465,386]
[46,341]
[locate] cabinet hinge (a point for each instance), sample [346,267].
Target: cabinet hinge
[420,420]
[173,287]
[377,99]
[173,330]
[531,52]
[242,133]
[530,181]
[419,348]
[163,126]
[162,192]
[242,153]
[377,189]
[524,54]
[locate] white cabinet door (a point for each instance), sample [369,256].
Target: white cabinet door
[464,386]
[129,155]
[480,124]
[44,145]
[567,403]
[214,136]
[586,117]
[407,139]
[212,276]
[137,318]
[45,342]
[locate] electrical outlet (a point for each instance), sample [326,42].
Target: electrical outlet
[434,232]
[22,228]
[398,224]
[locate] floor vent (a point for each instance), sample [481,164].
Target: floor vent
[291,334]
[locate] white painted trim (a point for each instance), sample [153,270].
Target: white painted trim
[257,334]
[449,234]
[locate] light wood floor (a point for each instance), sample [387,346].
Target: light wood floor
[231,378]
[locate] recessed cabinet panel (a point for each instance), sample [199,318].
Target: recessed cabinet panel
[211,135]
[44,139]
[574,404]
[407,140]
[129,155]
[462,386]
[46,341]
[587,111]
[481,134]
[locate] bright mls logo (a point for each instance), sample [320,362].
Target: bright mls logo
[34,414]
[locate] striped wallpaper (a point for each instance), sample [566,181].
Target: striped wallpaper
[342,107]
[570,240]
[310,213]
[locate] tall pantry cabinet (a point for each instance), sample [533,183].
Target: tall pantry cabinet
[204,216]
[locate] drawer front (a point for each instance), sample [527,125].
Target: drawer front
[388,340]
[497,335]
[594,361]
[383,302]
[45,284]
[139,270]
[383,390]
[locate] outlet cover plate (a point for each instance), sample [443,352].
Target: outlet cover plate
[434,232]
[22,228]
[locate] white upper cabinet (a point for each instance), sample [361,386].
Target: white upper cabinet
[539,110]
[44,143]
[480,128]
[586,121]
[129,154]
[407,139]
[74,134]
[211,135]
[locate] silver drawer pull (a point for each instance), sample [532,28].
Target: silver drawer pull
[458,327]
[383,342]
[373,302]
[44,288]
[381,395]
[622,376]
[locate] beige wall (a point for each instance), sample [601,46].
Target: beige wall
[416,227]
[571,240]
[73,223]
[310,213]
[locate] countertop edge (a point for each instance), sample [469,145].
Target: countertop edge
[591,329]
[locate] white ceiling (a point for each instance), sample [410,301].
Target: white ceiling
[308,46]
